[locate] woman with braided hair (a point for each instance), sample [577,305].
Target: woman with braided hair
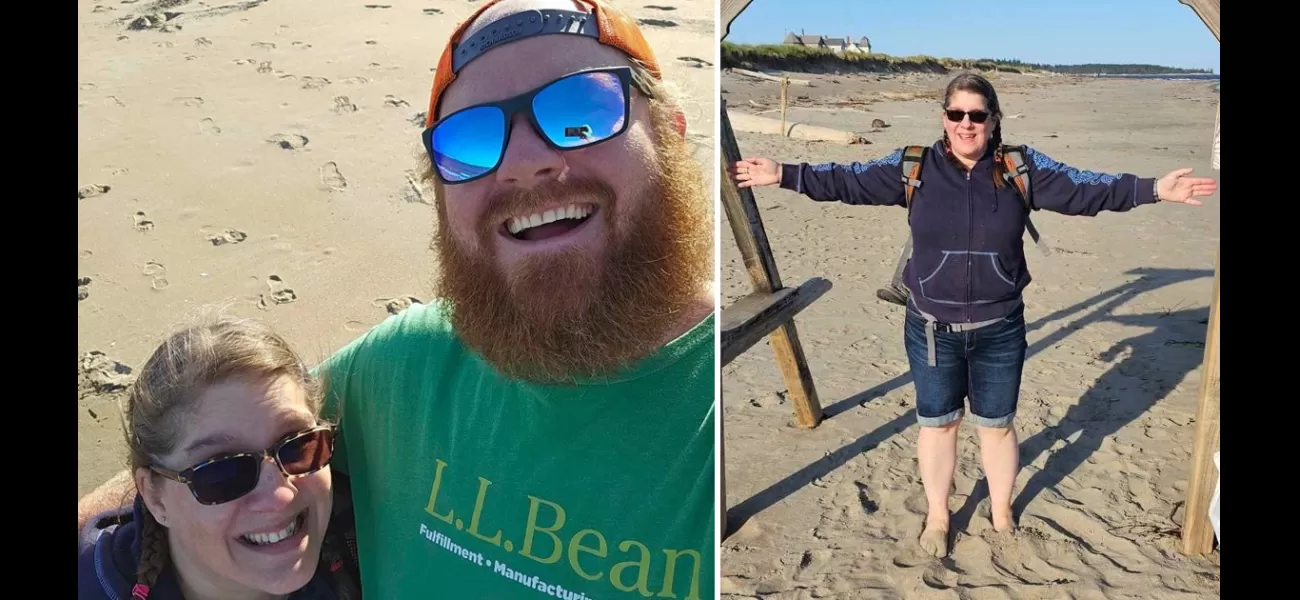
[234,495]
[965,329]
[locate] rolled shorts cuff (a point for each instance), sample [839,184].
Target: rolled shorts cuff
[998,423]
[940,420]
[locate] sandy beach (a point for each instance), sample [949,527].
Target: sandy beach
[257,154]
[1117,319]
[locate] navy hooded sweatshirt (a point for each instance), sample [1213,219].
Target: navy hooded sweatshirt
[109,554]
[968,261]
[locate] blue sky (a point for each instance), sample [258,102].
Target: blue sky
[1160,32]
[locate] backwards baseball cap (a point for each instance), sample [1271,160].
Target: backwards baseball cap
[604,23]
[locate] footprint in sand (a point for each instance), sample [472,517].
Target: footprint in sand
[379,6]
[372,43]
[83,288]
[658,7]
[300,45]
[202,42]
[314,83]
[190,101]
[698,63]
[263,45]
[142,222]
[157,272]
[227,236]
[355,80]
[208,126]
[92,190]
[244,61]
[656,22]
[343,106]
[99,374]
[414,192]
[418,118]
[396,305]
[288,141]
[330,176]
[277,294]
[264,67]
[394,101]
[432,11]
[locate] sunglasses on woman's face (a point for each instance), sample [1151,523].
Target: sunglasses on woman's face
[976,116]
[575,111]
[228,477]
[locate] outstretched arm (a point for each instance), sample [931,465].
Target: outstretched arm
[1058,187]
[1061,188]
[876,182]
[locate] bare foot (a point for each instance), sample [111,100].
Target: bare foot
[1002,521]
[934,540]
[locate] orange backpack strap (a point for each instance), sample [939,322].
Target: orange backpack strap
[1017,174]
[913,159]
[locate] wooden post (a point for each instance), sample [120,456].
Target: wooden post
[747,226]
[785,84]
[1198,532]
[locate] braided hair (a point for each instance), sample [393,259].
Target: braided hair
[162,396]
[153,555]
[978,84]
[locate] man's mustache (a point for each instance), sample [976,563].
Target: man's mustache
[521,202]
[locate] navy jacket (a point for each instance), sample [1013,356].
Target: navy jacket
[109,553]
[968,260]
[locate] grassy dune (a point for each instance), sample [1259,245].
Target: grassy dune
[813,60]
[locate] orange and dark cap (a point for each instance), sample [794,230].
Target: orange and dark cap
[604,23]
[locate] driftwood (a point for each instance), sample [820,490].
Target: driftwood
[799,131]
[774,78]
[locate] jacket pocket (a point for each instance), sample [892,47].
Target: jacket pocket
[964,277]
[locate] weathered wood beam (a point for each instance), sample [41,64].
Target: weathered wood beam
[753,317]
[730,9]
[1198,532]
[1208,11]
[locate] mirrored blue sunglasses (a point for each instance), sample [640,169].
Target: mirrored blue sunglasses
[578,110]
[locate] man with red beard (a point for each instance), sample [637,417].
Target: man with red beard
[545,427]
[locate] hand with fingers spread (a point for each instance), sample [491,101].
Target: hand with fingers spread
[1178,187]
[751,172]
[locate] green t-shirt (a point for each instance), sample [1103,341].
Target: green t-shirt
[467,484]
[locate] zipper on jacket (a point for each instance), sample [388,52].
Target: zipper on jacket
[970,234]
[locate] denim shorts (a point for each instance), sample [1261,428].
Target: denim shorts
[984,365]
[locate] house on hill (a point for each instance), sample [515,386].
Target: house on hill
[834,44]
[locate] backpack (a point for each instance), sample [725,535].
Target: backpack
[1017,174]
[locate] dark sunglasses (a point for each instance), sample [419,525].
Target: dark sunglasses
[976,116]
[578,110]
[228,477]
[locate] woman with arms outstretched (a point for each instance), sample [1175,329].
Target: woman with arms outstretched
[965,328]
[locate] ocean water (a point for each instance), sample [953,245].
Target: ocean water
[1170,76]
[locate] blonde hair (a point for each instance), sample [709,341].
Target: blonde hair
[163,397]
